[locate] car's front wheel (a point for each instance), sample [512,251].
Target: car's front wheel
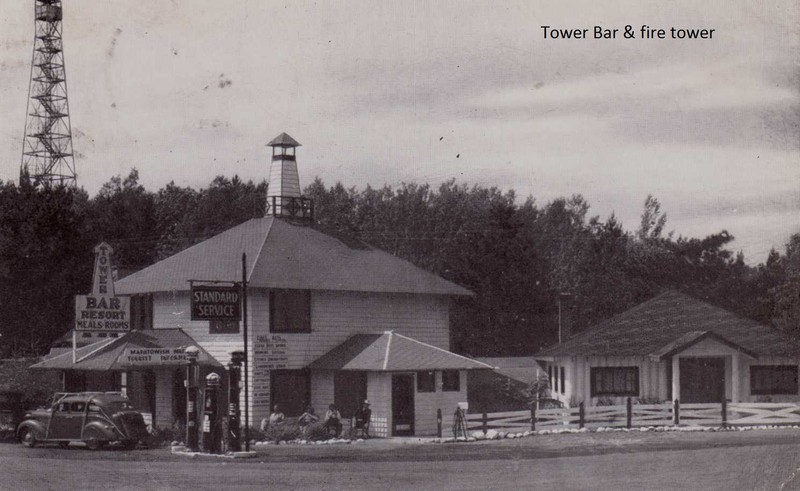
[94,441]
[27,436]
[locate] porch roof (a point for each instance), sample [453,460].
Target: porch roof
[107,355]
[690,339]
[391,352]
[668,322]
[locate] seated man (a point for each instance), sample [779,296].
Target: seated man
[307,418]
[333,420]
[275,417]
[362,418]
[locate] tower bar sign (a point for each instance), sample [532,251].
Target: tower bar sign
[102,310]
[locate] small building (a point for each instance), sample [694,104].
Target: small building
[674,347]
[331,319]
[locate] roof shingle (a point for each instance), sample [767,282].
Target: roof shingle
[668,320]
[391,352]
[284,255]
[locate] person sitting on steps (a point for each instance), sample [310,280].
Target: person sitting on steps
[275,418]
[362,418]
[333,420]
[306,419]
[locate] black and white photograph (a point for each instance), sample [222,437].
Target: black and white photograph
[413,244]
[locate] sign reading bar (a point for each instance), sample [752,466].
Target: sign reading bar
[153,356]
[102,313]
[101,310]
[216,303]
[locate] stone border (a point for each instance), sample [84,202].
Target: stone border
[502,435]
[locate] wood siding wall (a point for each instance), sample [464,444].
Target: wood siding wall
[335,316]
[652,378]
[426,404]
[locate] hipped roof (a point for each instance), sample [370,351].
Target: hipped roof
[105,355]
[281,254]
[670,323]
[391,352]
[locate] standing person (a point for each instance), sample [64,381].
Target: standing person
[333,420]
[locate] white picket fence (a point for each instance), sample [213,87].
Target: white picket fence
[638,415]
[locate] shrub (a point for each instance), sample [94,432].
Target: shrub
[648,400]
[605,401]
[160,437]
[37,386]
[286,431]
[317,432]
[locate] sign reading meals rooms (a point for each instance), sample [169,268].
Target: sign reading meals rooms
[102,313]
[216,303]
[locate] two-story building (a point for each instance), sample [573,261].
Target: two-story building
[331,320]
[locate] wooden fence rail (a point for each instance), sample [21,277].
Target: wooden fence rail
[638,415]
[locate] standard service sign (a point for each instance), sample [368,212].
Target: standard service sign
[216,303]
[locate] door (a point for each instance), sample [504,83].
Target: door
[67,420]
[702,379]
[403,404]
[349,392]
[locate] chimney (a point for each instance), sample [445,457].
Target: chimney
[283,193]
[565,313]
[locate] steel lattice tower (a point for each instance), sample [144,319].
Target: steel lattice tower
[47,146]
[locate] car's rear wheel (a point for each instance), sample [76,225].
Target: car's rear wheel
[27,437]
[95,444]
[129,444]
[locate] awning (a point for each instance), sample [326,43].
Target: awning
[391,352]
[136,350]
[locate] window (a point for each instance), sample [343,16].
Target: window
[223,327]
[78,407]
[426,381]
[615,381]
[451,381]
[555,381]
[563,381]
[141,312]
[773,380]
[550,376]
[290,311]
[291,390]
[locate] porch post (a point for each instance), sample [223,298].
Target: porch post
[676,378]
[735,381]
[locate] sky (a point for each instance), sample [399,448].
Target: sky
[385,92]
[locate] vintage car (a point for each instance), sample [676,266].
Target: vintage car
[94,418]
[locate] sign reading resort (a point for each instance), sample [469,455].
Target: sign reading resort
[102,313]
[102,310]
[216,303]
[153,356]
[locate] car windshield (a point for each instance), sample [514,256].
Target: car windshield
[117,406]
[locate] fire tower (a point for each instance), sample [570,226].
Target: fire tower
[47,145]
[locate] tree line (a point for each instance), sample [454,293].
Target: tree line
[517,256]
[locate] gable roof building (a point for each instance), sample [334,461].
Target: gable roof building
[670,346]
